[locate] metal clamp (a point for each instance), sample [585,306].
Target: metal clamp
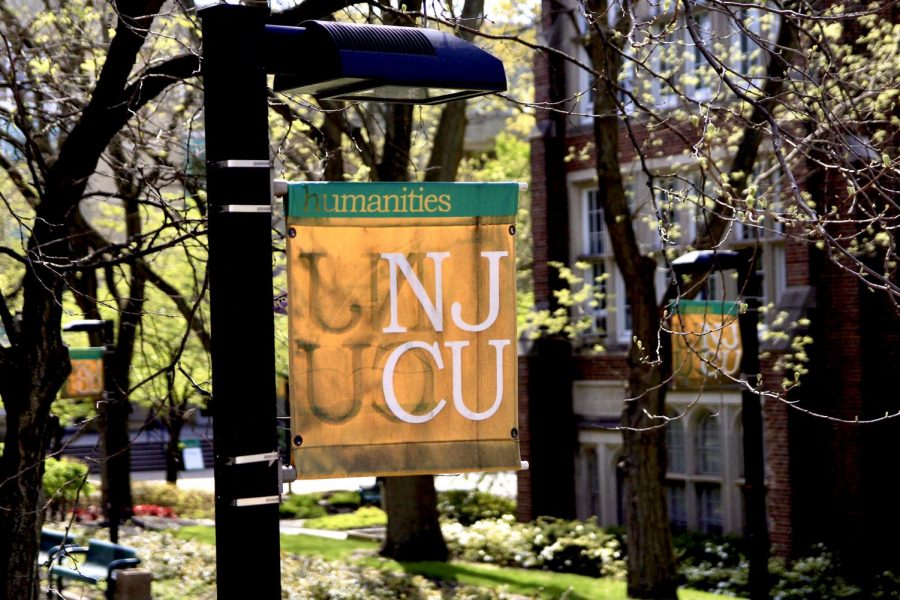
[269,457]
[241,164]
[246,208]
[257,501]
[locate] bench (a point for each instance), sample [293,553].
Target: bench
[49,540]
[101,560]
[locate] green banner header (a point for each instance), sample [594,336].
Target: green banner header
[86,353]
[343,200]
[710,307]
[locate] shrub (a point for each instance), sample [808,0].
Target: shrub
[467,506]
[190,504]
[718,565]
[301,506]
[551,544]
[366,516]
[64,480]
[578,547]
[343,501]
[814,577]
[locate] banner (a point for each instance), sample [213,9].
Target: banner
[86,378]
[401,302]
[706,344]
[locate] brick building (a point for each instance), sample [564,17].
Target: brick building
[827,480]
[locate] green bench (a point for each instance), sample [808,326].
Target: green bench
[50,539]
[100,561]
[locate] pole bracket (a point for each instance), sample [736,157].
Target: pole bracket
[257,501]
[241,164]
[269,457]
[246,208]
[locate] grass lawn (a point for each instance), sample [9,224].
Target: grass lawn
[537,584]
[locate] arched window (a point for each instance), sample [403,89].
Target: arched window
[708,445]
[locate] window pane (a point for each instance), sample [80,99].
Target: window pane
[675,443]
[708,445]
[596,308]
[709,508]
[593,476]
[677,505]
[594,224]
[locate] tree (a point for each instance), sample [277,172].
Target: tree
[64,104]
[729,89]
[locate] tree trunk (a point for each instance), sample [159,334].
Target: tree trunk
[173,451]
[21,469]
[650,557]
[413,530]
[31,377]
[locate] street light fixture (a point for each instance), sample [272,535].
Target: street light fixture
[327,60]
[756,531]
[380,63]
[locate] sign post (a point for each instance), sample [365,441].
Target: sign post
[402,328]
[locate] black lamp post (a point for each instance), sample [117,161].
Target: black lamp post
[388,64]
[756,531]
[114,508]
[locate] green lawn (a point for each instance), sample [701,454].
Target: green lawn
[539,584]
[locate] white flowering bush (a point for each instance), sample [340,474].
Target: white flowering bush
[549,544]
[501,541]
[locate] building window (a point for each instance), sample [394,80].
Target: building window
[596,229]
[697,69]
[709,508]
[675,445]
[664,62]
[593,477]
[602,272]
[708,445]
[699,467]
[754,30]
[677,497]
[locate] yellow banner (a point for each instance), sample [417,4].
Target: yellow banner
[706,344]
[86,378]
[403,346]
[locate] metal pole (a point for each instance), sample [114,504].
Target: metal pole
[111,397]
[756,526]
[242,322]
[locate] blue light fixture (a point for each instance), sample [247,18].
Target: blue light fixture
[381,63]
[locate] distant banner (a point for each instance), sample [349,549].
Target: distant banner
[706,343]
[401,302]
[86,378]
